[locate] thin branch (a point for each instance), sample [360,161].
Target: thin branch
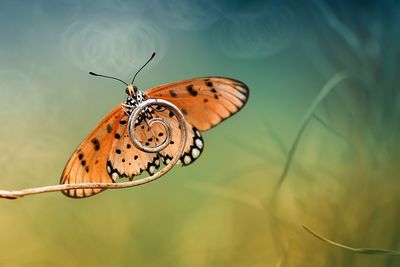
[368,251]
[14,194]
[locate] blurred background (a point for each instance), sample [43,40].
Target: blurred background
[316,145]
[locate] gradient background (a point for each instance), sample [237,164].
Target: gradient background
[224,210]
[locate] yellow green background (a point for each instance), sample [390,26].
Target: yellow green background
[225,209]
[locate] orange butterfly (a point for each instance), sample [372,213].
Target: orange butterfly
[108,152]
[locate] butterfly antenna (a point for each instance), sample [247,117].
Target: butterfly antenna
[95,74]
[152,56]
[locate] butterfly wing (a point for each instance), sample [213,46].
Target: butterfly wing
[194,142]
[108,153]
[127,161]
[206,101]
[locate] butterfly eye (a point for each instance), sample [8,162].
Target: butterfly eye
[131,90]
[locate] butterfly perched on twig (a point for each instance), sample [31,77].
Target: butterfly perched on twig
[108,153]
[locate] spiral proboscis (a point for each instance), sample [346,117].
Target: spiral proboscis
[134,117]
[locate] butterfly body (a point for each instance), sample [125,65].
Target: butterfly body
[108,153]
[135,97]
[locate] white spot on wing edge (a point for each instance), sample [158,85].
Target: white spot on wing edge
[187,159]
[199,143]
[195,153]
[79,192]
[152,169]
[114,176]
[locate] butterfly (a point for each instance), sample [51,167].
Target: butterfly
[108,153]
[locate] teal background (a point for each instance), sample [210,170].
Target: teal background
[224,210]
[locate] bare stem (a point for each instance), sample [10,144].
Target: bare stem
[329,86]
[369,251]
[329,128]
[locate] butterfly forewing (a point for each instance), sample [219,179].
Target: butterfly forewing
[205,102]
[87,163]
[107,154]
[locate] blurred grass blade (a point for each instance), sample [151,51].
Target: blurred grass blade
[329,128]
[367,251]
[329,86]
[342,29]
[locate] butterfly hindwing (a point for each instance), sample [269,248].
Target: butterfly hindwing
[194,142]
[205,102]
[125,160]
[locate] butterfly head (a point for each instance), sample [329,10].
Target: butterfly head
[134,95]
[132,90]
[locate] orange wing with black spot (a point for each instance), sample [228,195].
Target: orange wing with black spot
[194,142]
[107,154]
[206,101]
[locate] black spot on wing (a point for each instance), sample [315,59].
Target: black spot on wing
[172,93]
[95,142]
[109,128]
[191,90]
